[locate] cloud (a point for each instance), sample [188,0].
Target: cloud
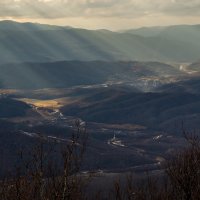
[97,8]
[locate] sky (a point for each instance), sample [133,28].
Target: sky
[103,14]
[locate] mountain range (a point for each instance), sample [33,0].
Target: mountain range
[28,42]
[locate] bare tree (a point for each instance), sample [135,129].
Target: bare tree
[39,178]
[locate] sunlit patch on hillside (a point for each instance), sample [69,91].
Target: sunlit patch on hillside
[42,103]
[52,104]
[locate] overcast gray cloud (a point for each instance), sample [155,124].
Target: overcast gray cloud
[97,8]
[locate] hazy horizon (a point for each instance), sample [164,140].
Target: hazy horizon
[63,25]
[104,14]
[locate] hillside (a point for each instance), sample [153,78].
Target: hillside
[42,43]
[73,73]
[160,110]
[12,108]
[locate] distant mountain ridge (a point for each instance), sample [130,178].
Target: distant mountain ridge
[28,42]
[146,31]
[157,30]
[8,25]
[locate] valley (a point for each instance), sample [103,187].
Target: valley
[133,122]
[135,93]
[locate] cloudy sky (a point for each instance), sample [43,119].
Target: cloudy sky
[98,14]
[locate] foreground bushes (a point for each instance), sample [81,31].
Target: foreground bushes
[180,181]
[42,177]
